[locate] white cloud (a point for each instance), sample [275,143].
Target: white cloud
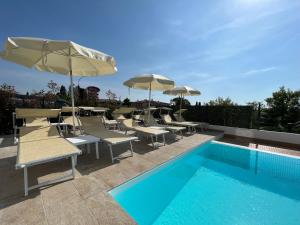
[262,70]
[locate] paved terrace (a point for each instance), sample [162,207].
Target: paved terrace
[84,200]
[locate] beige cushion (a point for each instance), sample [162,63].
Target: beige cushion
[93,126]
[30,113]
[36,133]
[31,152]
[132,125]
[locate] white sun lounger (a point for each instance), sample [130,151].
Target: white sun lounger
[154,124]
[110,123]
[203,125]
[93,126]
[129,124]
[39,143]
[190,126]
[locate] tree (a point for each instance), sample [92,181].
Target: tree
[110,95]
[283,106]
[63,91]
[112,98]
[176,102]
[256,105]
[220,101]
[126,101]
[7,92]
[53,87]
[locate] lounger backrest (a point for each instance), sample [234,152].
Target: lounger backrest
[152,120]
[34,122]
[178,118]
[37,133]
[167,118]
[91,123]
[67,109]
[128,123]
[69,120]
[124,110]
[36,113]
[103,118]
[118,116]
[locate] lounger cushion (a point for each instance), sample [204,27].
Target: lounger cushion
[32,152]
[37,133]
[132,125]
[69,120]
[93,126]
[168,120]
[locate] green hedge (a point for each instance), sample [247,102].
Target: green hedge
[232,116]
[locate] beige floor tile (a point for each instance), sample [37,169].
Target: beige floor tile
[107,211]
[72,210]
[22,211]
[88,185]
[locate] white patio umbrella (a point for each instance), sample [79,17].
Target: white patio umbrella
[63,57]
[150,82]
[181,92]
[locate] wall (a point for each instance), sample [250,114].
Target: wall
[259,134]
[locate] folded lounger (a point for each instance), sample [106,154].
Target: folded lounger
[168,120]
[40,143]
[93,126]
[203,126]
[153,124]
[129,124]
[110,123]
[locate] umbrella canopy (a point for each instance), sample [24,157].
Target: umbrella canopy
[63,57]
[55,56]
[182,91]
[150,82]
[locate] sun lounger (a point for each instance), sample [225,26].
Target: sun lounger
[93,126]
[152,123]
[129,124]
[203,126]
[190,126]
[39,143]
[110,123]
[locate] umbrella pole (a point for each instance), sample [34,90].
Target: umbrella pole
[149,105]
[72,91]
[181,96]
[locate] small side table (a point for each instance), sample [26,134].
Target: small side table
[86,140]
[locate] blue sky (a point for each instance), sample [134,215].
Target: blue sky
[244,49]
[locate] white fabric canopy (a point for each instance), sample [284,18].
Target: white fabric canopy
[63,57]
[58,56]
[150,82]
[182,91]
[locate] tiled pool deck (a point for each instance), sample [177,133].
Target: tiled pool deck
[84,200]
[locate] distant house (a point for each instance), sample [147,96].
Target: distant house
[144,104]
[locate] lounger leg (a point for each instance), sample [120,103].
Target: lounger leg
[75,160]
[88,148]
[15,135]
[164,139]
[97,150]
[181,134]
[131,149]
[111,153]
[152,141]
[73,166]
[25,181]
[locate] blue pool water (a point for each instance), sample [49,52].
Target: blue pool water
[216,184]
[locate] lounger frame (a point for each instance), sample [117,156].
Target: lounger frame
[25,167]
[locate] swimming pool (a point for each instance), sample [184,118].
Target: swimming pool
[216,184]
